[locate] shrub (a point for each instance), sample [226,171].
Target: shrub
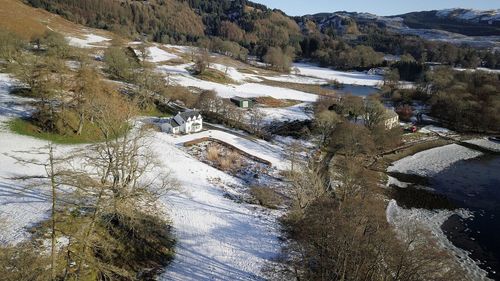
[213,153]
[266,197]
[405,112]
[225,164]
[235,159]
[153,127]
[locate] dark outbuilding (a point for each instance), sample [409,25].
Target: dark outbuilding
[243,102]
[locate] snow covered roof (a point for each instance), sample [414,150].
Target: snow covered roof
[189,114]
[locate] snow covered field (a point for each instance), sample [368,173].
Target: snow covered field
[248,84]
[351,78]
[19,207]
[258,148]
[90,41]
[292,113]
[430,162]
[179,75]
[218,239]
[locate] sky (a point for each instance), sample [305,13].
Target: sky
[379,7]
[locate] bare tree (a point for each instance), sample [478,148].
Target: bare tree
[307,184]
[144,53]
[256,120]
[326,121]
[52,180]
[294,151]
[374,113]
[202,61]
[208,101]
[88,85]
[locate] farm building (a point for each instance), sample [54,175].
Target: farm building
[242,102]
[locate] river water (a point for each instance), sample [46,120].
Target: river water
[355,90]
[474,185]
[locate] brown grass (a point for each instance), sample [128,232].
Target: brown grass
[213,152]
[414,149]
[27,21]
[266,197]
[214,75]
[308,88]
[272,102]
[173,62]
[225,164]
[225,159]
[235,159]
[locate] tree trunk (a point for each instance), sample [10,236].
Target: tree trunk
[53,214]
[80,124]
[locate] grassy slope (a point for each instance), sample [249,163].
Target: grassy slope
[27,21]
[25,127]
[213,75]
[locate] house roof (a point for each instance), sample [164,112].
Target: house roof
[173,123]
[189,114]
[240,99]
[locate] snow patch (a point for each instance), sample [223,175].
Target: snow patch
[430,162]
[486,143]
[158,55]
[435,129]
[89,41]
[297,79]
[292,113]
[470,14]
[231,72]
[352,78]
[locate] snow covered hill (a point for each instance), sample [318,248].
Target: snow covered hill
[458,26]
[490,16]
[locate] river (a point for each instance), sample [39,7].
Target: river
[356,90]
[474,185]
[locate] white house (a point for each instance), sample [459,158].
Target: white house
[186,122]
[391,119]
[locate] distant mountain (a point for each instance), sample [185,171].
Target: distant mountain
[457,26]
[463,21]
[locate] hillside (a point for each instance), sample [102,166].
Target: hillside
[461,21]
[27,21]
[132,18]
